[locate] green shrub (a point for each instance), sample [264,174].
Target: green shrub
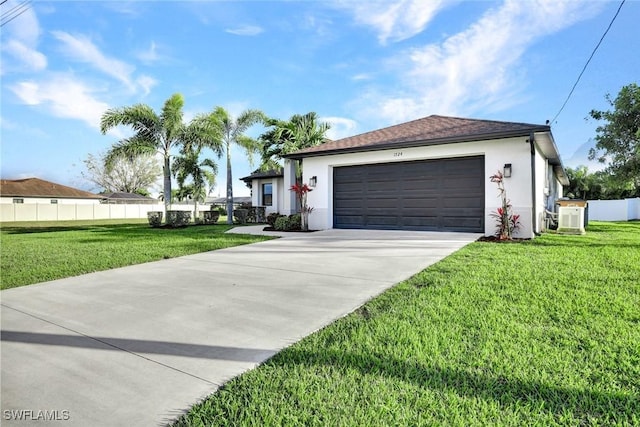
[294,223]
[281,223]
[272,217]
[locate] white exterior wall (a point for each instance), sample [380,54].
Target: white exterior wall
[10,212]
[542,183]
[614,210]
[496,153]
[45,200]
[277,186]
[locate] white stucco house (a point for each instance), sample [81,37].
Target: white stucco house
[268,190]
[427,174]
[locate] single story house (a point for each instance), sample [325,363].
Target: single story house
[428,174]
[267,189]
[35,190]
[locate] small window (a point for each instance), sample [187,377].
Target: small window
[267,194]
[54,201]
[18,200]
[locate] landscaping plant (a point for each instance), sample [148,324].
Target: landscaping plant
[507,221]
[301,191]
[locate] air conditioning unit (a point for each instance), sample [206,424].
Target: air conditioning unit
[571,220]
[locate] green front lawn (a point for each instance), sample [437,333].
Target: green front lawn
[540,333]
[39,251]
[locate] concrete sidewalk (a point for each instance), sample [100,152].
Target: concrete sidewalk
[139,345]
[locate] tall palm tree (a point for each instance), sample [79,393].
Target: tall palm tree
[202,174]
[155,133]
[285,137]
[232,131]
[152,133]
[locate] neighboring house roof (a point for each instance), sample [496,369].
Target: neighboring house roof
[258,174]
[223,200]
[121,197]
[431,130]
[35,187]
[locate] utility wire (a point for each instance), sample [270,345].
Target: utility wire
[588,61]
[15,12]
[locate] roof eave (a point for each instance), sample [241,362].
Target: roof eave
[421,143]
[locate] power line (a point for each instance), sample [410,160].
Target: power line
[588,61]
[15,12]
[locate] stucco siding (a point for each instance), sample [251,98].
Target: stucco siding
[277,197]
[496,153]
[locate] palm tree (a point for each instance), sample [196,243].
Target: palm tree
[155,133]
[285,137]
[202,174]
[152,133]
[231,131]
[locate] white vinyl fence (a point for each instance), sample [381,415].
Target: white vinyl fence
[11,212]
[614,210]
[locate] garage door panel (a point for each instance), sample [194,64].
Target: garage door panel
[443,194]
[420,222]
[382,220]
[462,223]
[354,220]
[462,202]
[383,203]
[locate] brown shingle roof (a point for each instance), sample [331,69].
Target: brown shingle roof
[35,187]
[271,173]
[429,130]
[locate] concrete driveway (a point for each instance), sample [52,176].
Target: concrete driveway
[139,345]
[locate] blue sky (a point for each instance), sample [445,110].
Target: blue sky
[359,65]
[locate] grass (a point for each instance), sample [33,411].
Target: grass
[33,252]
[540,333]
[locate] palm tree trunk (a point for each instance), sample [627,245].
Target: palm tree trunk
[195,210]
[229,188]
[167,185]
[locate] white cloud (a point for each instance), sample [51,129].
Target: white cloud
[151,55]
[478,69]
[30,58]
[24,27]
[82,49]
[62,96]
[361,76]
[20,40]
[146,83]
[397,20]
[245,30]
[7,124]
[341,127]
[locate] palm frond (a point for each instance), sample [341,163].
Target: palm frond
[129,148]
[171,118]
[140,117]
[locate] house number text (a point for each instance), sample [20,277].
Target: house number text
[397,154]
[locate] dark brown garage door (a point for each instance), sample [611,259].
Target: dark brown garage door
[437,195]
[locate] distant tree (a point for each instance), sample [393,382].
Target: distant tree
[200,173]
[123,174]
[231,131]
[154,133]
[580,181]
[600,185]
[618,139]
[285,137]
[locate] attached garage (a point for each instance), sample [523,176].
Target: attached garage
[433,195]
[431,174]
